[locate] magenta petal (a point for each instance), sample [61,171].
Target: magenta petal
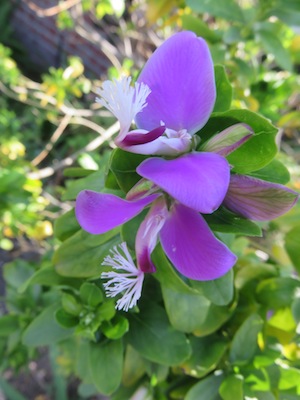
[191,246]
[146,237]
[141,137]
[197,180]
[257,199]
[180,75]
[100,212]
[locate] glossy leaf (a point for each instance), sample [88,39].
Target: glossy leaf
[244,343]
[232,388]
[258,151]
[225,221]
[277,292]
[292,245]
[66,225]
[47,276]
[219,291]
[123,165]
[106,363]
[224,90]
[81,255]
[155,339]
[274,172]
[206,389]
[206,355]
[91,294]
[44,329]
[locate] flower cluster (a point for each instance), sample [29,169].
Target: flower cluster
[173,99]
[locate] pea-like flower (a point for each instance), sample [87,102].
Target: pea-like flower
[171,100]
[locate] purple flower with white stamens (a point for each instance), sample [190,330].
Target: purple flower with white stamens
[171,100]
[184,187]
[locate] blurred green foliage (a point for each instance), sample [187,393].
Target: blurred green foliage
[240,336]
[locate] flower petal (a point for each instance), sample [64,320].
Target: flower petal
[180,75]
[192,247]
[228,140]
[100,212]
[141,137]
[257,199]
[163,145]
[146,237]
[197,180]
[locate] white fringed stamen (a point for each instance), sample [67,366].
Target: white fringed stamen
[123,100]
[126,280]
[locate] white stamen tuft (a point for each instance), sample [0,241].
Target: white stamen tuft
[127,280]
[123,100]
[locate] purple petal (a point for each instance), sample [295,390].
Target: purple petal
[141,137]
[197,180]
[100,212]
[257,199]
[180,75]
[146,237]
[228,140]
[163,146]
[192,247]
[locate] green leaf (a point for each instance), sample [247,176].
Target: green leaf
[224,90]
[219,291]
[185,306]
[47,276]
[134,367]
[77,172]
[16,272]
[216,316]
[44,330]
[186,312]
[115,328]
[228,10]
[206,355]
[273,45]
[244,343]
[91,294]
[273,172]
[206,389]
[81,255]
[66,225]
[277,292]
[65,319]
[195,24]
[292,246]
[167,275]
[258,151]
[123,165]
[94,181]
[155,339]
[225,221]
[8,324]
[289,378]
[106,363]
[70,304]
[232,388]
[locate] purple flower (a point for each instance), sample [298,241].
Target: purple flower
[258,200]
[171,100]
[181,189]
